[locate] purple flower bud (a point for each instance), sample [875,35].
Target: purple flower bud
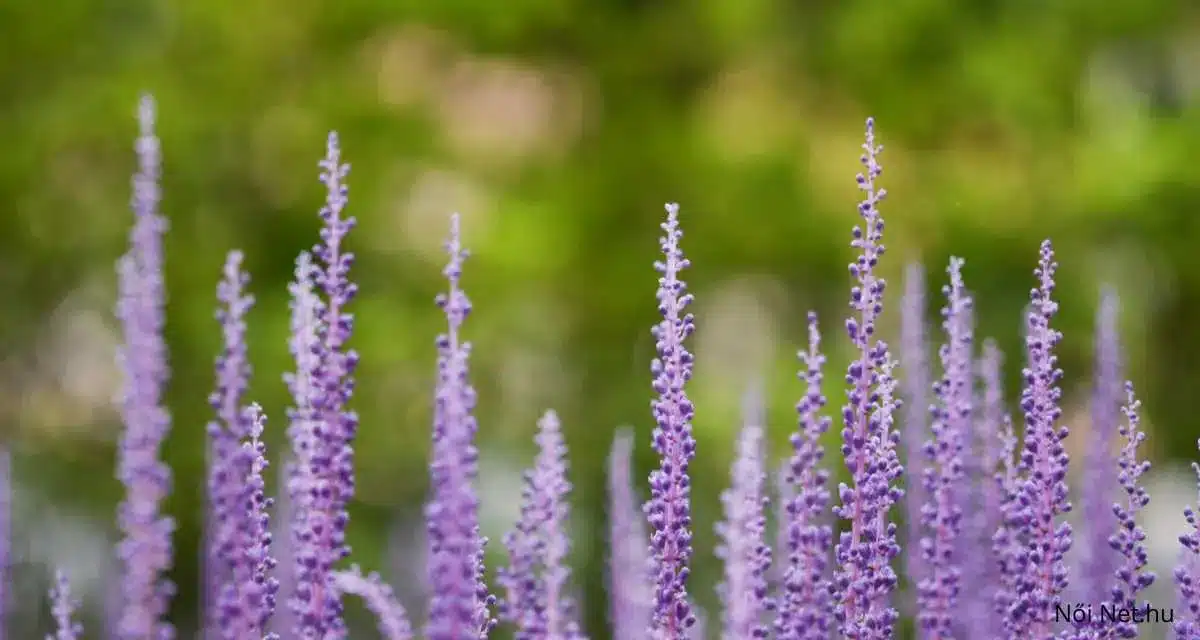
[62,607]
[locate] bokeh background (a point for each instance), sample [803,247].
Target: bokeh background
[558,128]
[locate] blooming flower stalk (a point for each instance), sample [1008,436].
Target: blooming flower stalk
[379,599]
[1042,492]
[228,469]
[864,579]
[1099,478]
[629,593]
[145,550]
[248,601]
[62,607]
[1187,574]
[743,546]
[536,578]
[669,509]
[943,477]
[460,605]
[1128,539]
[805,603]
[914,361]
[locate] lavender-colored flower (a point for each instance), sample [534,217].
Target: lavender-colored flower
[1042,493]
[804,607]
[1187,574]
[62,606]
[247,601]
[669,509]
[225,479]
[145,550]
[1006,543]
[865,579]
[1128,540]
[981,575]
[943,477]
[460,606]
[1099,476]
[379,598]
[329,459]
[914,361]
[629,569]
[744,547]
[536,578]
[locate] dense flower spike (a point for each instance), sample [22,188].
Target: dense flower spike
[1042,493]
[460,605]
[379,598]
[145,552]
[984,514]
[1128,540]
[1099,478]
[225,479]
[914,361]
[865,579]
[629,571]
[804,607]
[536,578]
[943,478]
[669,508]
[62,607]
[744,547]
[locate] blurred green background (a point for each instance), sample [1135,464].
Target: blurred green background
[558,128]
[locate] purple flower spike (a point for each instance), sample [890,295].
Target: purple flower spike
[379,599]
[1129,539]
[943,478]
[536,579]
[1042,493]
[1187,574]
[460,606]
[981,575]
[744,547]
[629,575]
[62,606]
[225,480]
[914,361]
[145,551]
[1099,475]
[669,509]
[804,608]
[865,579]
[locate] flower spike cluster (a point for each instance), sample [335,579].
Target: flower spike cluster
[943,477]
[865,580]
[145,552]
[669,509]
[805,603]
[460,606]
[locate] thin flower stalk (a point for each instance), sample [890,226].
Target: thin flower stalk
[629,574]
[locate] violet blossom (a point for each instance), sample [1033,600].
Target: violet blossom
[630,596]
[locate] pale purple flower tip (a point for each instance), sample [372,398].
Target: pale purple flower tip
[629,569]
[225,481]
[944,474]
[669,509]
[145,551]
[743,546]
[1099,477]
[460,606]
[379,598]
[62,607]
[914,360]
[536,579]
[1128,539]
[865,580]
[1042,491]
[805,603]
